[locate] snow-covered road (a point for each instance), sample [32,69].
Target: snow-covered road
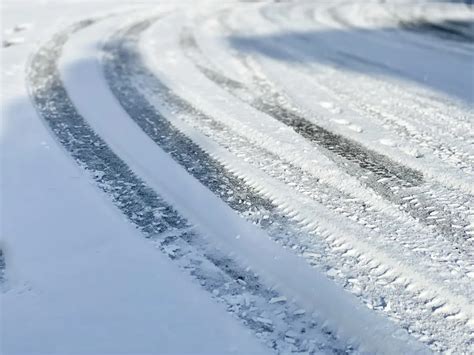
[237,177]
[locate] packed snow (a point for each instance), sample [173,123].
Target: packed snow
[237,177]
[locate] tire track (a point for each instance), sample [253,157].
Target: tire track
[131,195]
[430,123]
[279,324]
[397,184]
[127,77]
[376,163]
[342,204]
[438,113]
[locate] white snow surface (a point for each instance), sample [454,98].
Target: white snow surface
[366,264]
[80,278]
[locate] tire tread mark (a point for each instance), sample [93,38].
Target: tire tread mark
[218,274]
[128,76]
[392,181]
[243,293]
[352,151]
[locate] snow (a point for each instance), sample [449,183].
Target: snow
[217,221]
[79,278]
[288,242]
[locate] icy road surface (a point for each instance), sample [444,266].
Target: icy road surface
[237,177]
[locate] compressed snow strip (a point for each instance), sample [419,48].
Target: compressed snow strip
[274,264]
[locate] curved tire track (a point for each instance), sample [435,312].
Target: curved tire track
[376,163]
[125,73]
[398,184]
[239,289]
[426,121]
[342,204]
